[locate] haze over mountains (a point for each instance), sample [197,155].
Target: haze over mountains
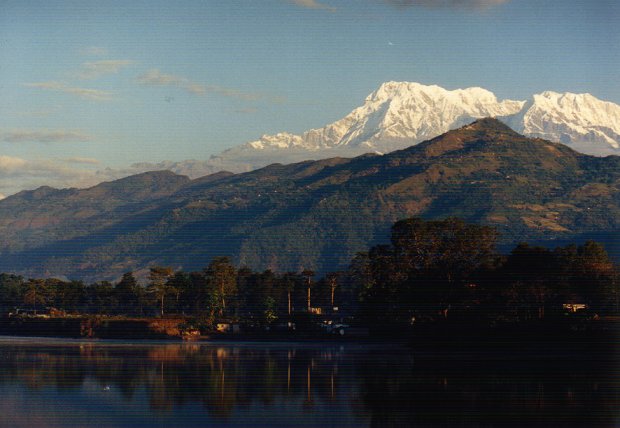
[313,214]
[400,114]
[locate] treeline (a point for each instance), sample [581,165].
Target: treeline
[430,270]
[219,292]
[448,268]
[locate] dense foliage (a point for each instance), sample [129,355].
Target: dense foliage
[431,270]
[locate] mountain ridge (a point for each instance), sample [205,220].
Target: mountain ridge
[318,214]
[409,110]
[399,114]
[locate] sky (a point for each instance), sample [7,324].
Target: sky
[88,88]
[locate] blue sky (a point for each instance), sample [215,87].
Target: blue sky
[89,85]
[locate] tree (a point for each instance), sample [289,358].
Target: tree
[69,294]
[127,292]
[36,293]
[269,312]
[449,247]
[595,276]
[102,297]
[181,285]
[361,275]
[288,281]
[332,281]
[425,269]
[221,276]
[256,294]
[159,277]
[442,254]
[10,290]
[308,274]
[531,275]
[385,295]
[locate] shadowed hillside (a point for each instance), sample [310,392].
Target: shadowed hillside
[313,214]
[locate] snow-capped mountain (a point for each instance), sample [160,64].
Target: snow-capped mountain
[396,115]
[580,121]
[401,114]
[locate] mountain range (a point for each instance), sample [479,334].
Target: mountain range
[399,114]
[314,214]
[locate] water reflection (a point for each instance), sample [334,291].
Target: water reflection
[233,385]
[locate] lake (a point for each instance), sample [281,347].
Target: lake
[58,383]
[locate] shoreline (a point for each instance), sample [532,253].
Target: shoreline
[542,340]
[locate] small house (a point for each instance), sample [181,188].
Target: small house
[574,307]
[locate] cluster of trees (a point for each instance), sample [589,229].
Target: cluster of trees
[448,268]
[220,291]
[431,269]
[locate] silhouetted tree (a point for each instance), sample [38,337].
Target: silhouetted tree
[424,270]
[128,294]
[443,253]
[181,286]
[596,276]
[102,298]
[11,291]
[68,295]
[529,274]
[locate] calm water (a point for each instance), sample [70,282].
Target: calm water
[48,383]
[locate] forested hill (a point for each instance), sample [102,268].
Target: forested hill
[314,214]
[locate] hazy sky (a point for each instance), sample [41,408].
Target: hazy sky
[90,85]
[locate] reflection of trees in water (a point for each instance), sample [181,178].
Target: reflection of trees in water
[220,378]
[223,378]
[390,387]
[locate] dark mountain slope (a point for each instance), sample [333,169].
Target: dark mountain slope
[31,218]
[317,214]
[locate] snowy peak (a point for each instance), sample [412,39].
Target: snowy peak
[281,140]
[577,108]
[418,95]
[396,115]
[580,121]
[400,114]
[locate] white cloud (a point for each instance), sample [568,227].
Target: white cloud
[154,77]
[312,4]
[18,174]
[80,160]
[10,163]
[95,69]
[43,136]
[195,88]
[86,93]
[157,78]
